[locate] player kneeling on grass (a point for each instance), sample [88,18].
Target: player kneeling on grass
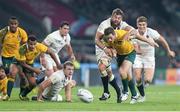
[60,79]
[3,84]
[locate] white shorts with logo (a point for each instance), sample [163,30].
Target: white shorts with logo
[50,62]
[144,62]
[102,56]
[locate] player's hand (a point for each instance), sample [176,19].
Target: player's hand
[37,70]
[108,52]
[152,42]
[131,34]
[171,54]
[72,58]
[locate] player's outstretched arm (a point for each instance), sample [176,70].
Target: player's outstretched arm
[166,46]
[68,89]
[70,52]
[148,40]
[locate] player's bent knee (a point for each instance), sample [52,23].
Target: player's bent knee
[123,74]
[102,67]
[32,81]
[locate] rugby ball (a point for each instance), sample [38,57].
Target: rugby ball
[57,98]
[85,95]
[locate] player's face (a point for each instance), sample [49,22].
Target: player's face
[2,72]
[116,19]
[31,45]
[68,71]
[64,30]
[142,26]
[13,24]
[111,37]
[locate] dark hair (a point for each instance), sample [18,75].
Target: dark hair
[12,18]
[142,19]
[108,31]
[68,63]
[63,23]
[32,38]
[2,67]
[118,11]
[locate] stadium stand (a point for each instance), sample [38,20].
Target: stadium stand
[85,15]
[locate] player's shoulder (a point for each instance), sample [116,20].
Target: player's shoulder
[120,31]
[150,30]
[123,22]
[68,36]
[21,30]
[105,22]
[55,33]
[38,45]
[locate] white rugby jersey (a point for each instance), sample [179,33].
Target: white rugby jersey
[148,50]
[107,23]
[56,42]
[59,81]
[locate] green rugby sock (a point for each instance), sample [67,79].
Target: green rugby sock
[10,86]
[116,87]
[141,89]
[105,84]
[125,85]
[132,88]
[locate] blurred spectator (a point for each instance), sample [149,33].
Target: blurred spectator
[47,23]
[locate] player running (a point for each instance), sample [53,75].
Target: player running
[120,40]
[145,58]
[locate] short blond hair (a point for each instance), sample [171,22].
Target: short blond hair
[68,63]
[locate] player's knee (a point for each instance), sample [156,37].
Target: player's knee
[138,78]
[148,79]
[102,67]
[129,77]
[123,73]
[103,64]
[32,81]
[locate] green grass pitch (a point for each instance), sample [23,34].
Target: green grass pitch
[158,98]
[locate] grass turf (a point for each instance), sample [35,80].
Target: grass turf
[158,98]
